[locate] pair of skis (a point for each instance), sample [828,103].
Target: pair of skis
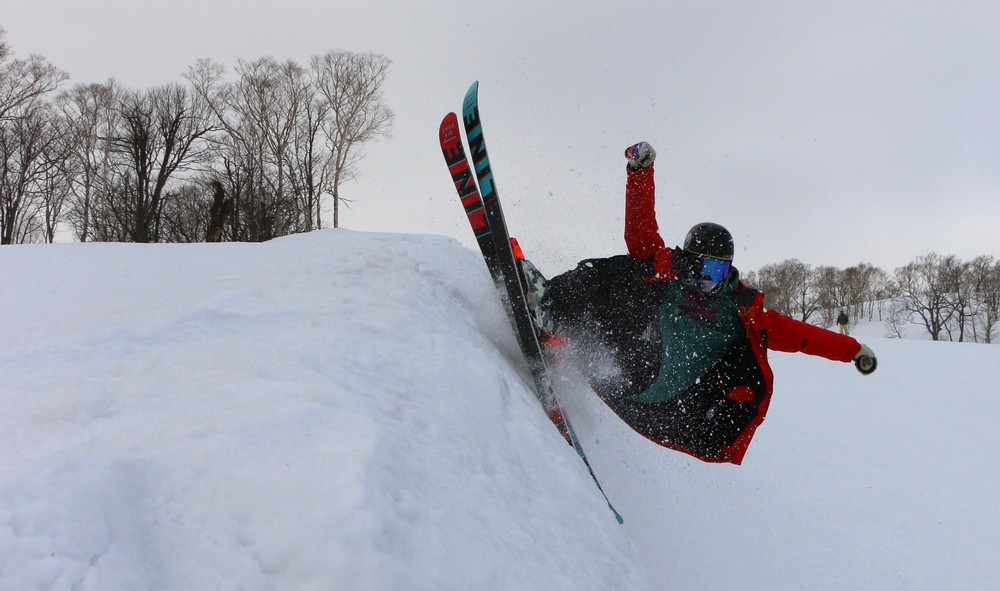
[478,195]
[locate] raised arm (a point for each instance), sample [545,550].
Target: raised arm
[642,235]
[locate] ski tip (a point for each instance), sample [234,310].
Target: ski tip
[471,98]
[449,128]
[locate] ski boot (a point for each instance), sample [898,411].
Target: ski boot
[535,286]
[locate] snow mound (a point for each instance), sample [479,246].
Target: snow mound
[326,411]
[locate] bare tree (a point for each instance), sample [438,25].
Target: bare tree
[23,81]
[311,163]
[29,135]
[924,292]
[352,83]
[790,288]
[258,117]
[991,304]
[860,286]
[954,274]
[291,136]
[802,284]
[30,151]
[92,117]
[881,291]
[54,183]
[829,283]
[896,321]
[766,281]
[983,281]
[274,95]
[160,134]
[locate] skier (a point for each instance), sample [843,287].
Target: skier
[670,338]
[842,321]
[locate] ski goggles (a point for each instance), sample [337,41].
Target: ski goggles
[714,270]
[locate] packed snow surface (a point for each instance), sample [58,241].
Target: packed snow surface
[344,410]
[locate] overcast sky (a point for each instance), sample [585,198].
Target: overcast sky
[832,132]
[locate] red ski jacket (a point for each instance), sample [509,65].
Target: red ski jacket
[765,329]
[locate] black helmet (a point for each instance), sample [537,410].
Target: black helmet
[709,240]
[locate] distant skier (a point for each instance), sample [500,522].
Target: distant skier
[670,338]
[842,322]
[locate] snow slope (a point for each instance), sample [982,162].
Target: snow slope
[344,410]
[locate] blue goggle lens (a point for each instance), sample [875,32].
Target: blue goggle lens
[714,270]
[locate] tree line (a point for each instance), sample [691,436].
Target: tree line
[951,299]
[205,159]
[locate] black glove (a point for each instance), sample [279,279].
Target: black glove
[640,155]
[686,265]
[865,360]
